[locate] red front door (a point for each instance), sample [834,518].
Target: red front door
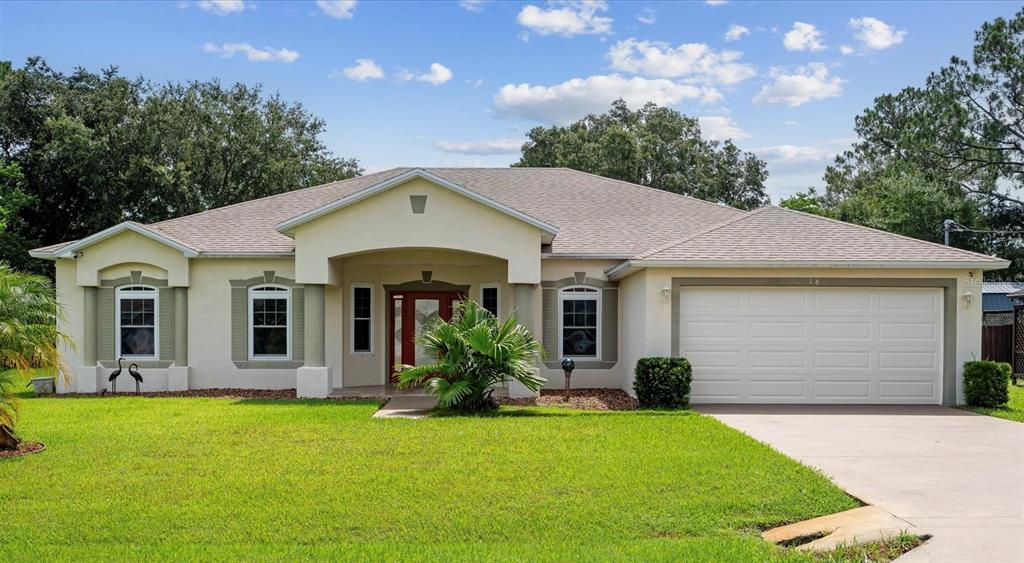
[409,312]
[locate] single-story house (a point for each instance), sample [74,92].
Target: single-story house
[324,289]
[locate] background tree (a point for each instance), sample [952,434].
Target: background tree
[98,149]
[950,149]
[653,146]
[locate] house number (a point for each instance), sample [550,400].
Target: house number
[813,281]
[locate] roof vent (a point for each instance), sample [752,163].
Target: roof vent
[419,204]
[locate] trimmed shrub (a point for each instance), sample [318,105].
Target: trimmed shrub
[986,383]
[663,383]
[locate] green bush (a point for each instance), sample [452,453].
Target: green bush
[663,383]
[986,383]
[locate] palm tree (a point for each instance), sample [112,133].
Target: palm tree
[475,352]
[29,339]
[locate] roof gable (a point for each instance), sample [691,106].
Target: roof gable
[289,226]
[69,250]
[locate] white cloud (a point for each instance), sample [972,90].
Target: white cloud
[846,49]
[439,74]
[807,83]
[221,7]
[572,99]
[792,154]
[567,18]
[716,2]
[720,128]
[647,16]
[803,37]
[266,54]
[695,61]
[471,5]
[341,9]
[735,32]
[875,33]
[493,146]
[364,69]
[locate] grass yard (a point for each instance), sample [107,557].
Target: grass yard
[219,479]
[1014,410]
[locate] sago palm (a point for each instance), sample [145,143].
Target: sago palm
[29,339]
[474,353]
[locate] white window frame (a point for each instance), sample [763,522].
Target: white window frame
[497,288]
[129,292]
[352,319]
[281,292]
[566,293]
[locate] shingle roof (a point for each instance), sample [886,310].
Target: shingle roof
[595,216]
[778,234]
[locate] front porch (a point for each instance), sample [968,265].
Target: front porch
[389,392]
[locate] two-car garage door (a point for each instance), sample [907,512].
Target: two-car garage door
[813,344]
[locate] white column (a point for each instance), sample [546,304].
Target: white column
[313,379]
[523,296]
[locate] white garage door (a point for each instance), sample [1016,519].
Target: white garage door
[813,345]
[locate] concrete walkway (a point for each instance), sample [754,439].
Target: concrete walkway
[406,407]
[950,473]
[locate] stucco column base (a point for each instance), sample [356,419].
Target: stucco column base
[517,390]
[177,378]
[313,382]
[87,379]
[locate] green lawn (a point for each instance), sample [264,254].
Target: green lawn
[218,479]
[1014,410]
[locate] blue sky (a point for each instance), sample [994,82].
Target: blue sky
[459,83]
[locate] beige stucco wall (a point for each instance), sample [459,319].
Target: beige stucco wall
[129,247]
[71,296]
[652,335]
[386,221]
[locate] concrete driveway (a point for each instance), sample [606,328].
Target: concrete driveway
[953,474]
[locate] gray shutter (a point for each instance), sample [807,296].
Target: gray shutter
[549,331]
[104,324]
[166,323]
[239,325]
[298,324]
[609,324]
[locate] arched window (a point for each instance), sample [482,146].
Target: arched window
[579,322]
[270,319]
[138,322]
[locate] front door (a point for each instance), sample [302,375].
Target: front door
[411,312]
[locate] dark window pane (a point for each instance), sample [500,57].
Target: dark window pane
[579,342]
[490,300]
[269,341]
[361,335]
[258,305]
[282,319]
[137,341]
[361,303]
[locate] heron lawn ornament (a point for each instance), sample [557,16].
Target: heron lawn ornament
[113,376]
[567,366]
[133,370]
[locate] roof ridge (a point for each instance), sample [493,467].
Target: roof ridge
[677,242]
[865,227]
[684,196]
[264,198]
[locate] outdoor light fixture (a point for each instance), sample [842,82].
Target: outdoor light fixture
[967,297]
[666,294]
[567,366]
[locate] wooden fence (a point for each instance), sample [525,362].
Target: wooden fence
[997,343]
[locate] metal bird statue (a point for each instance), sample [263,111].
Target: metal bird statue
[113,376]
[133,370]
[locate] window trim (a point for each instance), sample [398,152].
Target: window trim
[150,292]
[281,291]
[497,288]
[352,320]
[567,293]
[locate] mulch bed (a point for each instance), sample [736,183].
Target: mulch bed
[24,448]
[584,399]
[270,394]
